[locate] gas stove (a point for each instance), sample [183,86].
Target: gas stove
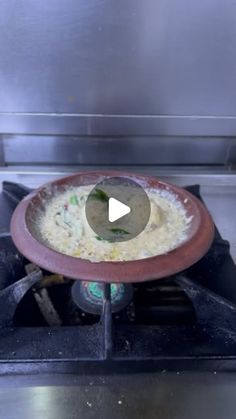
[49,323]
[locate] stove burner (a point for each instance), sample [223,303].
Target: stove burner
[89,296]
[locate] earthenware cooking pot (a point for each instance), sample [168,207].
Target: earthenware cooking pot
[27,238]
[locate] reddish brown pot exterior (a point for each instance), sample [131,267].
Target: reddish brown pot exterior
[28,242]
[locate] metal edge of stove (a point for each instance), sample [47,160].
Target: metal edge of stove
[170,395]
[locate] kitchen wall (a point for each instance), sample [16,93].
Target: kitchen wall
[127,67]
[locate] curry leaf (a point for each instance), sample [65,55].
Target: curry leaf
[119,231]
[104,240]
[74,200]
[99,195]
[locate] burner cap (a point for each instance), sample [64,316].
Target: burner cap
[89,296]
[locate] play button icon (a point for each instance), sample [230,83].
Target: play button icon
[117,209]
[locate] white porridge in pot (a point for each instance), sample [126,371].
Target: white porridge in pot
[64,227]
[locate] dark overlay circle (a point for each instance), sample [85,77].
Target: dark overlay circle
[129,193]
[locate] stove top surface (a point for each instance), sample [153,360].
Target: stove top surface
[186,321]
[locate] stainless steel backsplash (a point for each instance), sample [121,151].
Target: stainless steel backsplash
[127,67]
[90,150]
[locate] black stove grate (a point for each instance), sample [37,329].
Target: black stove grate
[186,321]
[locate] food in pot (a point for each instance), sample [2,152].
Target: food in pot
[64,227]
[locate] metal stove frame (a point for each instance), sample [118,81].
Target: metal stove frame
[208,344]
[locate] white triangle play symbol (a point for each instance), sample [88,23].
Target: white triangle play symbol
[116,209]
